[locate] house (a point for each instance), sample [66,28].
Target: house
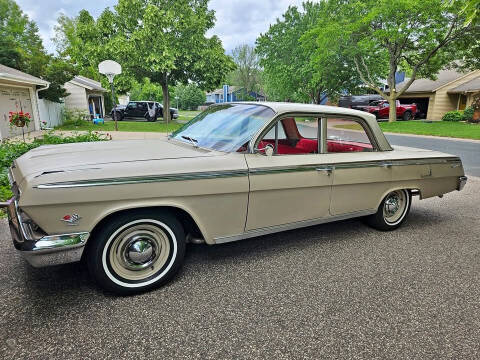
[19,92]
[85,94]
[451,90]
[231,93]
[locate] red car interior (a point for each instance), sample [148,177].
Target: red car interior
[296,144]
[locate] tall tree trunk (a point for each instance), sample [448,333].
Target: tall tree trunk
[392,102]
[166,99]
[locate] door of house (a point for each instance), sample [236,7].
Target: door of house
[14,99]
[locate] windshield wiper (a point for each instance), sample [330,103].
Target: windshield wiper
[192,140]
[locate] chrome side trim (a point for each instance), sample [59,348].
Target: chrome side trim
[291,226]
[145,179]
[354,165]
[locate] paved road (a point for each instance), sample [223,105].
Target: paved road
[339,290]
[469,152]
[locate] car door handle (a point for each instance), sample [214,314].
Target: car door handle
[327,169]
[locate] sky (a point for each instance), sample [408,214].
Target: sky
[238,21]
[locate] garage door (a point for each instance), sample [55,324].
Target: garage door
[14,99]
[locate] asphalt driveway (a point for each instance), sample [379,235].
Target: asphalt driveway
[339,290]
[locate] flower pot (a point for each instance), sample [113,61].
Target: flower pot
[476,116]
[20,123]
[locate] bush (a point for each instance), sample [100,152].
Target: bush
[468,114]
[75,117]
[9,151]
[453,116]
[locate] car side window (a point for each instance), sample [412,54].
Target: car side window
[296,135]
[346,135]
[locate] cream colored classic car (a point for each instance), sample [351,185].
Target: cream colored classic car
[236,171]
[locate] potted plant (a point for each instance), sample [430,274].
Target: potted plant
[476,109]
[19,118]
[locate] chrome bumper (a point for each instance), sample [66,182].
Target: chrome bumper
[47,250]
[462,180]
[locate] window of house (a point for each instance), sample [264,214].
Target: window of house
[345,135]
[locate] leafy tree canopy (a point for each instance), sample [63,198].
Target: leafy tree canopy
[248,72]
[383,36]
[190,96]
[291,72]
[163,40]
[21,48]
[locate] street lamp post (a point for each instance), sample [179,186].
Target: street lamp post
[110,68]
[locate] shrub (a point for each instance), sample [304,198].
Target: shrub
[9,151]
[453,116]
[75,117]
[467,114]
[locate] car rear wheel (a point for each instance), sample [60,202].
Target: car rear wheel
[392,211]
[136,252]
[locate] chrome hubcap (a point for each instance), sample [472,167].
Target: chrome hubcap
[392,205]
[139,252]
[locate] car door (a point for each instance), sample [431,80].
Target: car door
[361,174]
[130,109]
[384,109]
[294,184]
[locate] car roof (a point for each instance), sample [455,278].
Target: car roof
[286,107]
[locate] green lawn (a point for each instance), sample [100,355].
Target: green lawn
[136,126]
[436,128]
[187,115]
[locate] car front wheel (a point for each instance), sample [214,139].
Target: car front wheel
[407,115]
[136,252]
[392,211]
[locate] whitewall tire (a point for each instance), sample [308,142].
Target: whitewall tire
[392,211]
[136,251]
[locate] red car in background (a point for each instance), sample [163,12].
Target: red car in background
[381,109]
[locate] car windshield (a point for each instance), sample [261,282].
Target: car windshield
[224,127]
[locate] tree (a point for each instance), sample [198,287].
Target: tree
[472,11]
[291,72]
[163,40]
[190,96]
[382,36]
[21,48]
[146,91]
[247,74]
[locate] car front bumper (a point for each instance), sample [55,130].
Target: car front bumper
[47,250]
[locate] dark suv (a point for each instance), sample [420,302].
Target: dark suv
[139,110]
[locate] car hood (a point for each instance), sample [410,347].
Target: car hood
[77,156]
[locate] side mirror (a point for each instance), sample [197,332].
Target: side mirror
[267,150]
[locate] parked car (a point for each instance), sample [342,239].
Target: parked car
[236,171]
[358,102]
[381,110]
[139,110]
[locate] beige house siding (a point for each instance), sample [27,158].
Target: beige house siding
[77,98]
[445,102]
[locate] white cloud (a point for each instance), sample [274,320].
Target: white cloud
[238,21]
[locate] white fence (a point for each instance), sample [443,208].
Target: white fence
[50,112]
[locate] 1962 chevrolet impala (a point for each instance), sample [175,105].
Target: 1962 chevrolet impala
[236,171]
